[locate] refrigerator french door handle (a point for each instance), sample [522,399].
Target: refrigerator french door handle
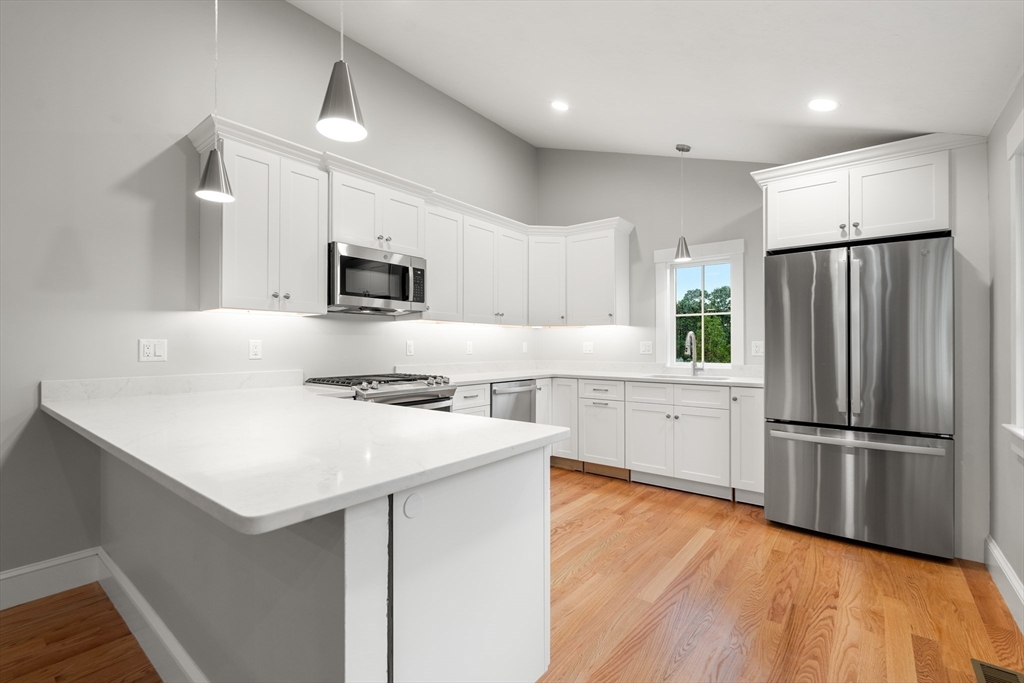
[842,395]
[857,443]
[855,359]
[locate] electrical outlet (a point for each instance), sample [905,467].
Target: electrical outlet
[152,350]
[469,348]
[255,349]
[646,348]
[409,348]
[757,348]
[588,347]
[524,347]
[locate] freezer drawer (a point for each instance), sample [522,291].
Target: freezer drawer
[895,491]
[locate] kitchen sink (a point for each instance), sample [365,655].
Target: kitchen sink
[690,378]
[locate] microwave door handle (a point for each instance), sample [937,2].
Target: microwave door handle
[407,294]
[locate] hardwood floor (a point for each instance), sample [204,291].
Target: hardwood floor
[656,585]
[76,635]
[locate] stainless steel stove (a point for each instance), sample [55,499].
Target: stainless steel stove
[432,392]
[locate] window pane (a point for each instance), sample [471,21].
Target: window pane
[684,325]
[717,339]
[717,289]
[688,290]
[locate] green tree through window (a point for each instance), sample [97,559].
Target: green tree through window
[704,307]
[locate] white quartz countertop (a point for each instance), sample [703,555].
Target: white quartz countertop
[261,459]
[512,375]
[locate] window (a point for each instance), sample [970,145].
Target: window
[1015,155]
[703,296]
[703,306]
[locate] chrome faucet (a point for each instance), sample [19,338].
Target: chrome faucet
[691,348]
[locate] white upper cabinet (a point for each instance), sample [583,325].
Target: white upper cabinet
[266,251]
[368,214]
[597,281]
[512,287]
[444,265]
[480,263]
[899,188]
[547,280]
[807,210]
[900,197]
[304,190]
[747,439]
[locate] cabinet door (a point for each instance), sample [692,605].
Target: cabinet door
[252,229]
[444,265]
[564,413]
[479,411]
[513,292]
[747,442]
[547,280]
[303,238]
[479,263]
[356,206]
[649,437]
[811,209]
[403,223]
[602,432]
[899,197]
[590,283]
[544,401]
[702,445]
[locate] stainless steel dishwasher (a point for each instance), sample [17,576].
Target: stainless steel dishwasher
[515,400]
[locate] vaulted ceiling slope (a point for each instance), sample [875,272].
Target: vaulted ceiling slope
[732,79]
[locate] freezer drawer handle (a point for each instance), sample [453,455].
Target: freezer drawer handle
[856,443]
[518,390]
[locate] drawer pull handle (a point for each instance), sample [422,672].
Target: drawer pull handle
[599,389]
[472,396]
[599,403]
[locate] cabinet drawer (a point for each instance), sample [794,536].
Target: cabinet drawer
[590,388]
[649,392]
[701,396]
[482,411]
[472,396]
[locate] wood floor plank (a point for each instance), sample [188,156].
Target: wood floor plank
[899,643]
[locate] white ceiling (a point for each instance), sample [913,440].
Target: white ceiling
[732,79]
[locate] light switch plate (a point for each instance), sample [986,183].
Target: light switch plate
[646,348]
[152,350]
[255,349]
[757,348]
[588,347]
[469,348]
[409,349]
[524,347]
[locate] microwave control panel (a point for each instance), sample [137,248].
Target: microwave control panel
[419,285]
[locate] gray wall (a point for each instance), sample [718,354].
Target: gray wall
[99,226]
[722,203]
[1007,482]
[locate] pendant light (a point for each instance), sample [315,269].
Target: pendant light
[340,118]
[682,250]
[214,185]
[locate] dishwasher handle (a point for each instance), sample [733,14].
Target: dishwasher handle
[517,390]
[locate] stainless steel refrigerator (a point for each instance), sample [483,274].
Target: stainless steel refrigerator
[859,392]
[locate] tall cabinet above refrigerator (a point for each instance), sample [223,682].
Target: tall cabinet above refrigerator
[859,392]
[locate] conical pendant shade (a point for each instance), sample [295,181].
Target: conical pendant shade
[214,185]
[682,251]
[340,118]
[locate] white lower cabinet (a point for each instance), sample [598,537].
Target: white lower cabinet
[649,438]
[543,402]
[702,445]
[747,443]
[602,432]
[564,413]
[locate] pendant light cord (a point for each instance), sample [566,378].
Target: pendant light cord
[341,27]
[682,189]
[216,51]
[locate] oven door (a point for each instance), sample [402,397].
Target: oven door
[422,401]
[374,281]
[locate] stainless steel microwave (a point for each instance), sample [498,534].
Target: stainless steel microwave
[374,282]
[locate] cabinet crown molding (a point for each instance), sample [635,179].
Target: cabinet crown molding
[922,144]
[213,127]
[465,209]
[334,162]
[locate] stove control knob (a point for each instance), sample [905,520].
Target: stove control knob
[431,381]
[375,385]
[445,380]
[364,386]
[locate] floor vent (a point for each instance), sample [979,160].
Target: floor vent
[990,673]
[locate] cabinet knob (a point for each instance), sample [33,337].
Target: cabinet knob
[275,295]
[428,307]
[842,226]
[677,417]
[611,315]
[856,225]
[668,416]
[287,295]
[735,398]
[563,317]
[380,237]
[540,388]
[501,315]
[388,239]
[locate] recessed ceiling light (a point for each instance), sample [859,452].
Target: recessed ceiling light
[822,105]
[559,105]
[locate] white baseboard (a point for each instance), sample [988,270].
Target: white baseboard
[34,581]
[1006,580]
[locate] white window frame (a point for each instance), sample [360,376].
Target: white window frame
[730,252]
[1015,157]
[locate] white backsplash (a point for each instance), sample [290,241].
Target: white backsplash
[530,366]
[121,387]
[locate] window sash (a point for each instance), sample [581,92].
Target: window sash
[703,312]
